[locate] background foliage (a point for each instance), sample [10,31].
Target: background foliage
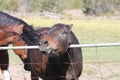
[89,7]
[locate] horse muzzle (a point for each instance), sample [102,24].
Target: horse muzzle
[45,49]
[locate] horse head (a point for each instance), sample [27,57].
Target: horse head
[57,39]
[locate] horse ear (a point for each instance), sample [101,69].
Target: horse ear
[70,26]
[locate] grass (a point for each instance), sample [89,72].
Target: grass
[89,31]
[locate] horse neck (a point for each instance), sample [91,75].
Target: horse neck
[74,39]
[71,52]
[6,20]
[75,53]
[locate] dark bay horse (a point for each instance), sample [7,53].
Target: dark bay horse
[62,63]
[14,31]
[68,64]
[10,29]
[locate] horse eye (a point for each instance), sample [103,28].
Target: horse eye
[45,33]
[62,32]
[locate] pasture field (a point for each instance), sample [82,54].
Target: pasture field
[99,63]
[90,31]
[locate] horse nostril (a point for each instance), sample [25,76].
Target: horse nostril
[45,42]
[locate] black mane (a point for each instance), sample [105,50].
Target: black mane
[28,31]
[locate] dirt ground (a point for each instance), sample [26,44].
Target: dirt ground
[90,72]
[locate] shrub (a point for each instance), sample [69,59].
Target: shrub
[98,7]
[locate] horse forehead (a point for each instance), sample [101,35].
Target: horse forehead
[52,30]
[63,27]
[57,28]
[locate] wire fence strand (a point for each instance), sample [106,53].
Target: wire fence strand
[98,63]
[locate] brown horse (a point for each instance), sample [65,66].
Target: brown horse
[4,64]
[9,30]
[15,31]
[62,63]
[68,64]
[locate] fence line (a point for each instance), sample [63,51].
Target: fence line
[95,45]
[99,74]
[71,46]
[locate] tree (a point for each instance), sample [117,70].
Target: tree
[98,7]
[52,5]
[8,5]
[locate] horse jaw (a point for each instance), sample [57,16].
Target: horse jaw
[15,28]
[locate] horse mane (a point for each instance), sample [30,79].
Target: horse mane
[58,24]
[74,38]
[6,20]
[28,31]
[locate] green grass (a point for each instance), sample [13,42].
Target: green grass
[89,31]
